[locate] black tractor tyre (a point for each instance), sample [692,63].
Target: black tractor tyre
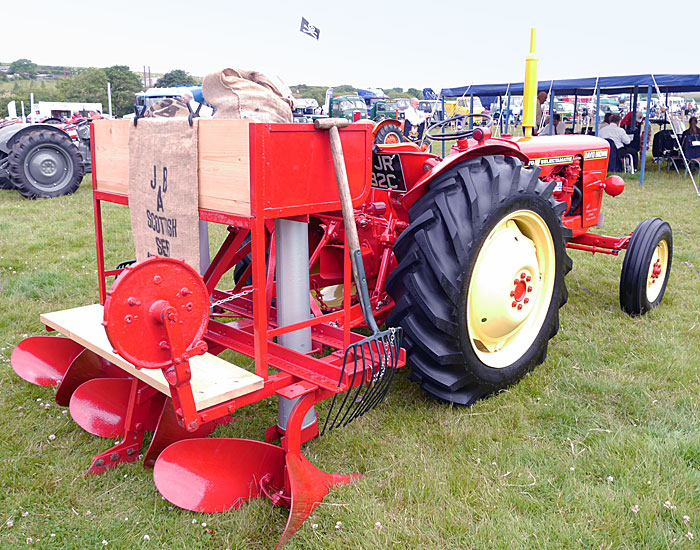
[389,130]
[646,267]
[462,230]
[45,163]
[6,183]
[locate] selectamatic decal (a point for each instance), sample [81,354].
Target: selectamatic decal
[549,161]
[596,154]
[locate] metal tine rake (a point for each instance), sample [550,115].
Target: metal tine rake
[376,357]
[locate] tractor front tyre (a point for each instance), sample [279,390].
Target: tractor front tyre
[646,266]
[480,278]
[389,134]
[45,163]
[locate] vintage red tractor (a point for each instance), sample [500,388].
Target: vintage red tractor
[464,257]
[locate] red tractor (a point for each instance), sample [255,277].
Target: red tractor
[468,253]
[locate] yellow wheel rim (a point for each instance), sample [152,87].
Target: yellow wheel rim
[511,288]
[657,271]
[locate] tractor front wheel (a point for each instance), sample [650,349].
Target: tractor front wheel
[389,134]
[480,278]
[646,266]
[45,163]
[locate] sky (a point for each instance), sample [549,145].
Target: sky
[438,44]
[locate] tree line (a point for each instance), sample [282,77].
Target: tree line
[87,86]
[90,86]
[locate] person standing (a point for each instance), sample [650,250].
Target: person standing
[541,98]
[415,121]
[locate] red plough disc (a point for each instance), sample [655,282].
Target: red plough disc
[99,406]
[216,474]
[43,360]
[86,366]
[168,431]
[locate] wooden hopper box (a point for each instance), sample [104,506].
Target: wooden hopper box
[249,169]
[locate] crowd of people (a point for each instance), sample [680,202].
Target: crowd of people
[624,133]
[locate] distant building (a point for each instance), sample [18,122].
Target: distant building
[4,68]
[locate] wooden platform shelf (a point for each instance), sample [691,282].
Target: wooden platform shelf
[213,379]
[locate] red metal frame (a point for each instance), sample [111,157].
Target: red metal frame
[272,196]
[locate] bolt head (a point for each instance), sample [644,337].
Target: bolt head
[514,304]
[528,278]
[157,279]
[523,275]
[512,292]
[526,300]
[529,289]
[520,306]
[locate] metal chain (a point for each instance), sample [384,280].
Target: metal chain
[232,297]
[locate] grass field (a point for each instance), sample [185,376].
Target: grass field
[598,448]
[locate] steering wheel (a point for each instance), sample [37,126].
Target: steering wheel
[430,132]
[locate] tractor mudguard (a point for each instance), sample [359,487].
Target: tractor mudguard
[501,147]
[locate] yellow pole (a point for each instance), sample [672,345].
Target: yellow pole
[530,91]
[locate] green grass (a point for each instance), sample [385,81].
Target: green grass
[582,453]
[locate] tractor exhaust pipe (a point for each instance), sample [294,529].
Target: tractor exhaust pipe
[530,91]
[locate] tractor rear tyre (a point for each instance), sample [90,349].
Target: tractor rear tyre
[480,278]
[389,134]
[45,163]
[646,266]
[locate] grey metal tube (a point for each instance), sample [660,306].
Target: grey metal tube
[292,272]
[204,258]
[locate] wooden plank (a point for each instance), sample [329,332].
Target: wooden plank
[223,162]
[112,155]
[224,166]
[213,379]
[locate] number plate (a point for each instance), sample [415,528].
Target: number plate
[387,173]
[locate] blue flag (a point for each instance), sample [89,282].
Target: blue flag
[308,28]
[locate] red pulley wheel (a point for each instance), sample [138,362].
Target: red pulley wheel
[138,300]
